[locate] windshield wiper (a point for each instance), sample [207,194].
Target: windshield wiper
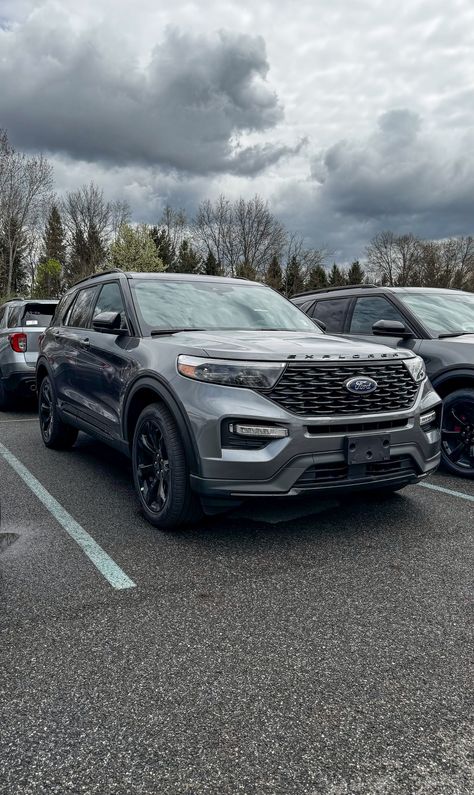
[454,334]
[158,332]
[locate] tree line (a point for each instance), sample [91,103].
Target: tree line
[48,243]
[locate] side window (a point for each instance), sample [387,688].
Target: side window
[368,310]
[13,316]
[332,312]
[78,315]
[110,300]
[60,310]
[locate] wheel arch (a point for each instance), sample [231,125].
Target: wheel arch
[150,389]
[452,380]
[42,371]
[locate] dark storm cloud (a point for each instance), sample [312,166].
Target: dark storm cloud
[400,176]
[75,94]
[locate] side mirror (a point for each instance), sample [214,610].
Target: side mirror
[108,322]
[390,328]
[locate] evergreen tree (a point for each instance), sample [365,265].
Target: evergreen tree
[294,282]
[134,250]
[355,274]
[189,260]
[211,266]
[246,271]
[48,279]
[164,246]
[336,277]
[317,278]
[274,275]
[54,244]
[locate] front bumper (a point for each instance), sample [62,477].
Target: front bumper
[312,457]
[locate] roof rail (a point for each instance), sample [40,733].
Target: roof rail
[334,289]
[96,275]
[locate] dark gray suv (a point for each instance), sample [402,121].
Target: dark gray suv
[221,390]
[436,324]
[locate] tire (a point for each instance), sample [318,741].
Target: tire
[457,433]
[55,433]
[5,401]
[161,472]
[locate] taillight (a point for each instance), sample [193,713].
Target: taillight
[18,342]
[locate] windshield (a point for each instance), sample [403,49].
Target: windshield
[163,304]
[442,313]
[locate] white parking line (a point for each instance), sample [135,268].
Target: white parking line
[20,419]
[452,492]
[101,560]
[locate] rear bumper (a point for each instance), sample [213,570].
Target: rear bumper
[19,379]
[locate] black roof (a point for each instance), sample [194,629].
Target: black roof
[355,288]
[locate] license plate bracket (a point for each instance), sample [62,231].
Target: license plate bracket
[367,449]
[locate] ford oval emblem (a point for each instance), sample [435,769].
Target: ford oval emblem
[361,385]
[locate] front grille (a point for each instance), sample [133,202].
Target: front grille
[318,474]
[319,389]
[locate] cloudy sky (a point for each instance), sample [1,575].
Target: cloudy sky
[349,116]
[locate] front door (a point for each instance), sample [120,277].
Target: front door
[367,310]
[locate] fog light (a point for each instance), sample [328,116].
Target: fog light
[427,419]
[262,431]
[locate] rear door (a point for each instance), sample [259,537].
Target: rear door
[69,341]
[103,364]
[332,312]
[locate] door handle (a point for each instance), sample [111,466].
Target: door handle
[85,343]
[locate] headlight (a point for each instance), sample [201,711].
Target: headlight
[416,368]
[256,375]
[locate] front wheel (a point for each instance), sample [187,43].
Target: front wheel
[457,433]
[160,471]
[55,433]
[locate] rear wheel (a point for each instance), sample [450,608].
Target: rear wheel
[160,471]
[55,433]
[457,433]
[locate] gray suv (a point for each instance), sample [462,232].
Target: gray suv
[221,390]
[21,324]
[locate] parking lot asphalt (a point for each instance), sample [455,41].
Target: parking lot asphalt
[311,646]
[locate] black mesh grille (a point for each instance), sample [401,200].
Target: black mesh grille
[319,474]
[319,389]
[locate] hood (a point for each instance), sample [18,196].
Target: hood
[281,345]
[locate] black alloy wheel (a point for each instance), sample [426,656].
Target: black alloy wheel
[55,433]
[153,466]
[457,433]
[46,410]
[161,472]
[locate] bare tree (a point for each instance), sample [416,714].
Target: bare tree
[89,220]
[242,236]
[260,236]
[213,234]
[382,257]
[26,184]
[120,214]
